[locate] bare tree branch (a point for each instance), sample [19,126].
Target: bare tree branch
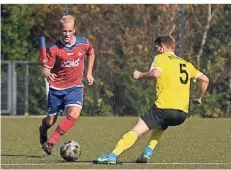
[215,10]
[172,29]
[198,22]
[204,37]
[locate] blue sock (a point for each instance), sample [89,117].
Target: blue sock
[148,150]
[112,155]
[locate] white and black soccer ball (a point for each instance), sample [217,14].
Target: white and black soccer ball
[70,151]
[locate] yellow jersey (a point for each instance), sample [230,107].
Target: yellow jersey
[173,86]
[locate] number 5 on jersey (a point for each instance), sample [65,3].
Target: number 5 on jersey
[183,71]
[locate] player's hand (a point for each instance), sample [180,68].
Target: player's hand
[90,79]
[197,101]
[51,77]
[136,74]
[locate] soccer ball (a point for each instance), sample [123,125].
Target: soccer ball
[70,151]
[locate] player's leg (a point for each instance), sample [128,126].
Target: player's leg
[155,121]
[47,123]
[175,117]
[47,87]
[66,124]
[73,101]
[156,135]
[124,143]
[55,104]
[130,137]
[166,117]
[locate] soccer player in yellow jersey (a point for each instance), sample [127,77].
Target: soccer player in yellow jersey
[173,75]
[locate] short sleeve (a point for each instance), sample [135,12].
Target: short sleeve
[90,48]
[50,59]
[194,72]
[156,64]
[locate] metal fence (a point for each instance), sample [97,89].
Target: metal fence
[6,87]
[19,79]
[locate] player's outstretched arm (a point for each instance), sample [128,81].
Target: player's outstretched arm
[155,73]
[204,82]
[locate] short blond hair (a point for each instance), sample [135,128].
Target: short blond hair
[68,19]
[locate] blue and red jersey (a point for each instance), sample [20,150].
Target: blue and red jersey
[67,62]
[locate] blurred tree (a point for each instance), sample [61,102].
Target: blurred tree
[16,25]
[123,36]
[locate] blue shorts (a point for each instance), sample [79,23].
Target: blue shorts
[59,99]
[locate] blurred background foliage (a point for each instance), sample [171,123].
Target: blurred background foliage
[122,37]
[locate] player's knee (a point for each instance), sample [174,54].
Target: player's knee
[75,115]
[71,118]
[140,128]
[74,112]
[137,131]
[50,121]
[54,121]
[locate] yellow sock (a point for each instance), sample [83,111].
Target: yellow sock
[155,137]
[125,142]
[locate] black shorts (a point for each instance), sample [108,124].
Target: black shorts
[163,117]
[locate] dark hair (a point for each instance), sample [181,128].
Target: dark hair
[167,40]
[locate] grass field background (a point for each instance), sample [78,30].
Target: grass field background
[198,143]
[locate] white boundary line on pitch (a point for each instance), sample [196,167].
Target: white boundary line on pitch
[81,163]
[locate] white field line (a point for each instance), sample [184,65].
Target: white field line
[125,163]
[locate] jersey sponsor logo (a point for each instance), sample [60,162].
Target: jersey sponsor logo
[79,53]
[69,54]
[73,63]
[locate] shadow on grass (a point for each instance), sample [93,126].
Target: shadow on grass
[126,162]
[21,155]
[90,162]
[79,161]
